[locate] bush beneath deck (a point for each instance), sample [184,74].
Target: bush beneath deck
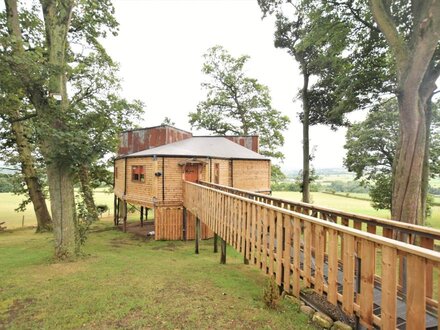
[125,282]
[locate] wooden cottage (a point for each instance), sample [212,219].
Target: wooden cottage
[152,164]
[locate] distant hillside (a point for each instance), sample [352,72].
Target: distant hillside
[320,171]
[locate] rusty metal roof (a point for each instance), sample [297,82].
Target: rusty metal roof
[202,146]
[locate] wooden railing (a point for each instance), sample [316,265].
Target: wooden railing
[418,235]
[302,251]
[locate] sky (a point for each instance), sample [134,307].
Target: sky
[160,47]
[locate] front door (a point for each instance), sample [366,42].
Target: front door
[192,172]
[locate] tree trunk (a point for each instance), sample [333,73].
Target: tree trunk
[63,211]
[407,186]
[426,170]
[57,17]
[87,192]
[44,221]
[414,55]
[306,141]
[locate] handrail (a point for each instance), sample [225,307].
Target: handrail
[420,231]
[284,242]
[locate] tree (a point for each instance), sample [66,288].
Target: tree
[319,57]
[168,121]
[237,104]
[371,147]
[41,65]
[393,48]
[416,51]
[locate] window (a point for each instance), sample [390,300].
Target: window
[137,173]
[116,172]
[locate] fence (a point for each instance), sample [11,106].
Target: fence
[355,269]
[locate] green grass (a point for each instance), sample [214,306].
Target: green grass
[124,282]
[352,205]
[12,219]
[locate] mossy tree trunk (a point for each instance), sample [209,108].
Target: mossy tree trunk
[87,192]
[27,161]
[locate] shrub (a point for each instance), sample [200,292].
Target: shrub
[271,294]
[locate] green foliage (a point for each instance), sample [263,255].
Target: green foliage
[271,293]
[312,178]
[371,147]
[346,186]
[102,208]
[6,184]
[168,121]
[237,104]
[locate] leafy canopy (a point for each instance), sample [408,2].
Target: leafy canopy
[238,104]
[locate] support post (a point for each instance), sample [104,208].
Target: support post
[197,234]
[115,205]
[117,212]
[223,251]
[142,216]
[184,217]
[215,243]
[146,213]
[245,260]
[125,217]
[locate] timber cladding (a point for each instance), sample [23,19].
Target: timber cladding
[253,175]
[157,182]
[119,177]
[169,225]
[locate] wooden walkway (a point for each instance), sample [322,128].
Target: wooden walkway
[360,268]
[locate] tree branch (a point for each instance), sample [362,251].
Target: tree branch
[381,13]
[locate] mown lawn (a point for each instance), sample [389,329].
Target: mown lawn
[125,282]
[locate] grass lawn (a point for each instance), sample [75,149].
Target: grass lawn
[8,202]
[124,282]
[352,205]
[12,219]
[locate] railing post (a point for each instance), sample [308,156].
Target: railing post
[223,251]
[215,243]
[197,235]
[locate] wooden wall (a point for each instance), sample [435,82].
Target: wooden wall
[120,179]
[248,175]
[169,224]
[253,175]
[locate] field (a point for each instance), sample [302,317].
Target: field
[8,202]
[352,205]
[124,282]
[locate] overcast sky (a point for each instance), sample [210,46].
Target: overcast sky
[160,48]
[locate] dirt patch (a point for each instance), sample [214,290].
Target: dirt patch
[15,309]
[51,271]
[169,246]
[335,312]
[118,242]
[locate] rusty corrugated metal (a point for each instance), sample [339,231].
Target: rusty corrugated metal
[150,137]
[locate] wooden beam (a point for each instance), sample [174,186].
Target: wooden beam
[125,217]
[215,243]
[223,252]
[197,238]
[142,216]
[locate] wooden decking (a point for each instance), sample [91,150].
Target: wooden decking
[351,261]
